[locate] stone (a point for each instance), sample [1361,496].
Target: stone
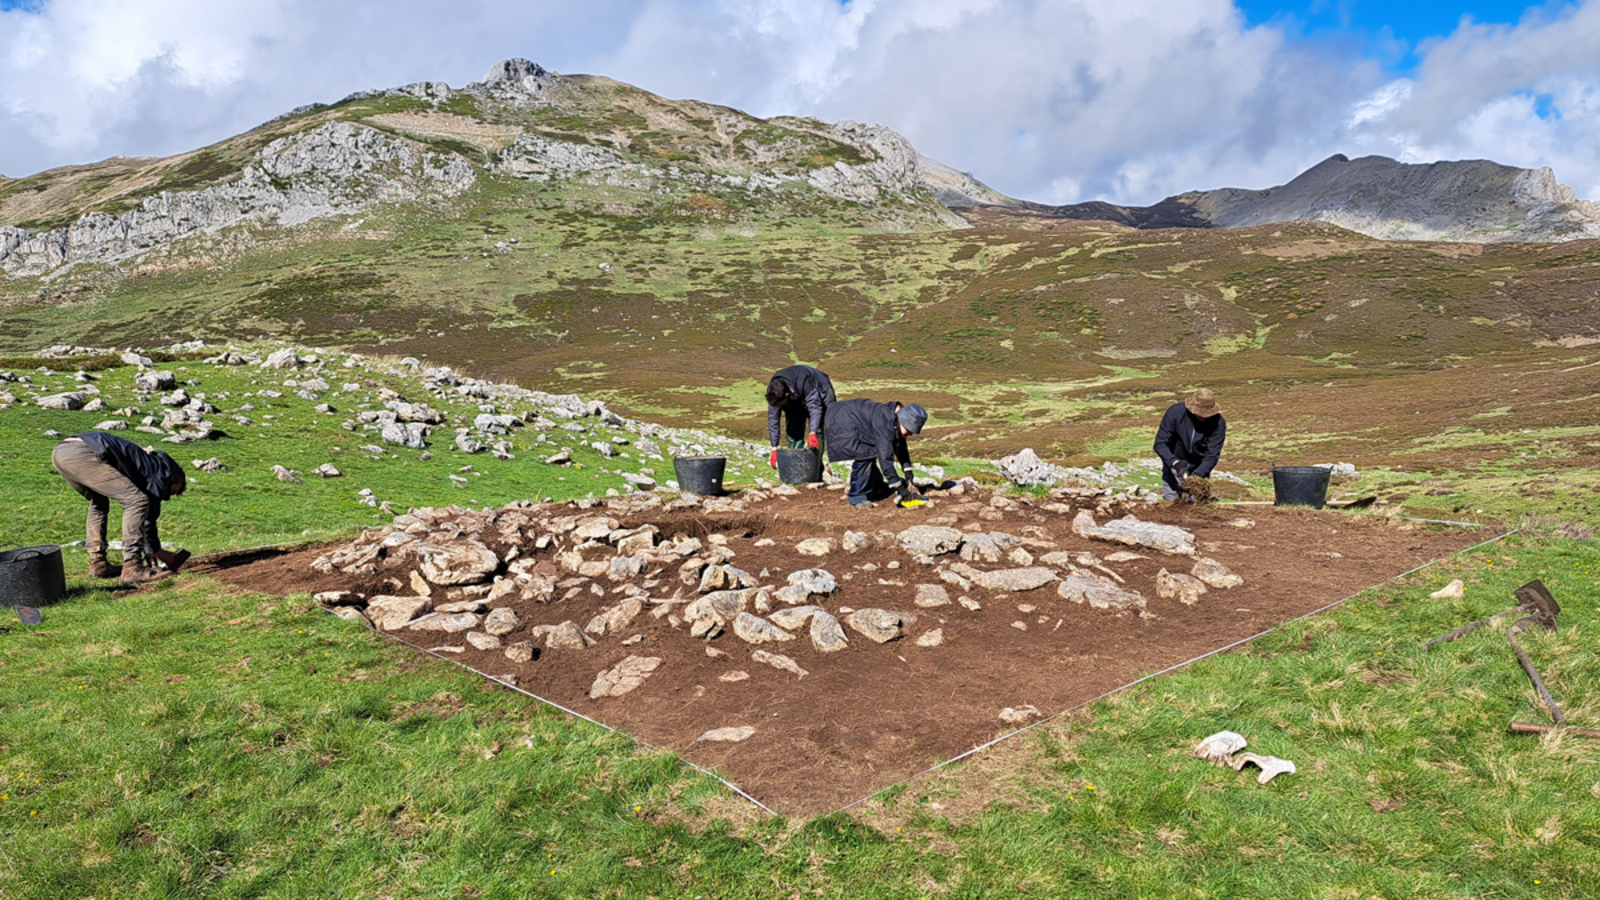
[336,598]
[737,675]
[932,638]
[282,359]
[980,547]
[501,621]
[1019,715]
[1099,593]
[733,735]
[878,625]
[1011,580]
[1455,590]
[623,568]
[566,636]
[616,618]
[520,652]
[755,630]
[459,562]
[624,677]
[778,661]
[1132,531]
[931,595]
[790,619]
[391,613]
[1185,588]
[1215,574]
[720,606]
[152,381]
[72,400]
[482,641]
[815,547]
[450,623]
[792,594]
[328,470]
[827,635]
[853,541]
[814,581]
[1020,557]
[930,540]
[1025,469]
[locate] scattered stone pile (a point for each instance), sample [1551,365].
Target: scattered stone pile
[524,580]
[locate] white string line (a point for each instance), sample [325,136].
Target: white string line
[1165,671]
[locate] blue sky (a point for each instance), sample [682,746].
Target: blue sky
[1387,30]
[1055,101]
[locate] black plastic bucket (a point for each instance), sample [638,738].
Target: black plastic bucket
[700,474]
[32,576]
[1300,485]
[802,466]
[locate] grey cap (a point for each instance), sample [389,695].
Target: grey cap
[913,416]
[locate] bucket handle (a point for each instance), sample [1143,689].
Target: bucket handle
[36,554]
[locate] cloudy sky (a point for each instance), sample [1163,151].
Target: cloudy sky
[1056,101]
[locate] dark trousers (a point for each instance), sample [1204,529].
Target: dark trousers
[866,482]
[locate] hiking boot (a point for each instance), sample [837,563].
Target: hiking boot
[100,567]
[136,571]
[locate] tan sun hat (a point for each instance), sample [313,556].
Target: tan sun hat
[1202,403]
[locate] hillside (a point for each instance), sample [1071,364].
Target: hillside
[575,234]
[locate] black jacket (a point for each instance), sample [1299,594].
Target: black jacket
[154,472]
[864,429]
[810,395]
[1185,436]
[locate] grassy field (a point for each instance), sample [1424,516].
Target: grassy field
[194,740]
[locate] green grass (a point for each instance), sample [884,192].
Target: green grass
[193,740]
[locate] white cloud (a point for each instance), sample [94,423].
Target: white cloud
[1051,100]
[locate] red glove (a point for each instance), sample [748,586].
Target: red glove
[812,442]
[773,459]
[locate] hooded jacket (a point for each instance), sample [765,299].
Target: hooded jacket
[865,429]
[810,395]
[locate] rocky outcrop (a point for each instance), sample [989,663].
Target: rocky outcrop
[335,169]
[1469,200]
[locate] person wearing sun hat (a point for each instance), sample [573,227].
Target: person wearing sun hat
[871,436]
[1189,440]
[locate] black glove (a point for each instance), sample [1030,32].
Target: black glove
[904,491]
[1180,470]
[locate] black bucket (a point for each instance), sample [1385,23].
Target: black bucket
[1300,485]
[803,466]
[32,576]
[700,474]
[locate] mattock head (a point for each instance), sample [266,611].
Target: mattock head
[1535,598]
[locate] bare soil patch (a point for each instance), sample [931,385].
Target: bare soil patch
[874,715]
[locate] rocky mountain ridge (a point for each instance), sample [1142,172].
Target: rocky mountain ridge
[1476,201]
[522,122]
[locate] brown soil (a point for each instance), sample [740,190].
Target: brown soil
[874,715]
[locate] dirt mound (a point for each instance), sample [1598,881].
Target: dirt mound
[873,713]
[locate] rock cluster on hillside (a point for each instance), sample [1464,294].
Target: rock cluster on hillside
[524,580]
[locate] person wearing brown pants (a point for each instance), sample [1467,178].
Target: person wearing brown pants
[103,467]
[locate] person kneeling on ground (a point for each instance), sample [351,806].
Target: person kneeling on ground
[103,467]
[1189,441]
[802,395]
[870,435]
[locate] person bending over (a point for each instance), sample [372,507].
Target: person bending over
[1189,441]
[103,467]
[871,436]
